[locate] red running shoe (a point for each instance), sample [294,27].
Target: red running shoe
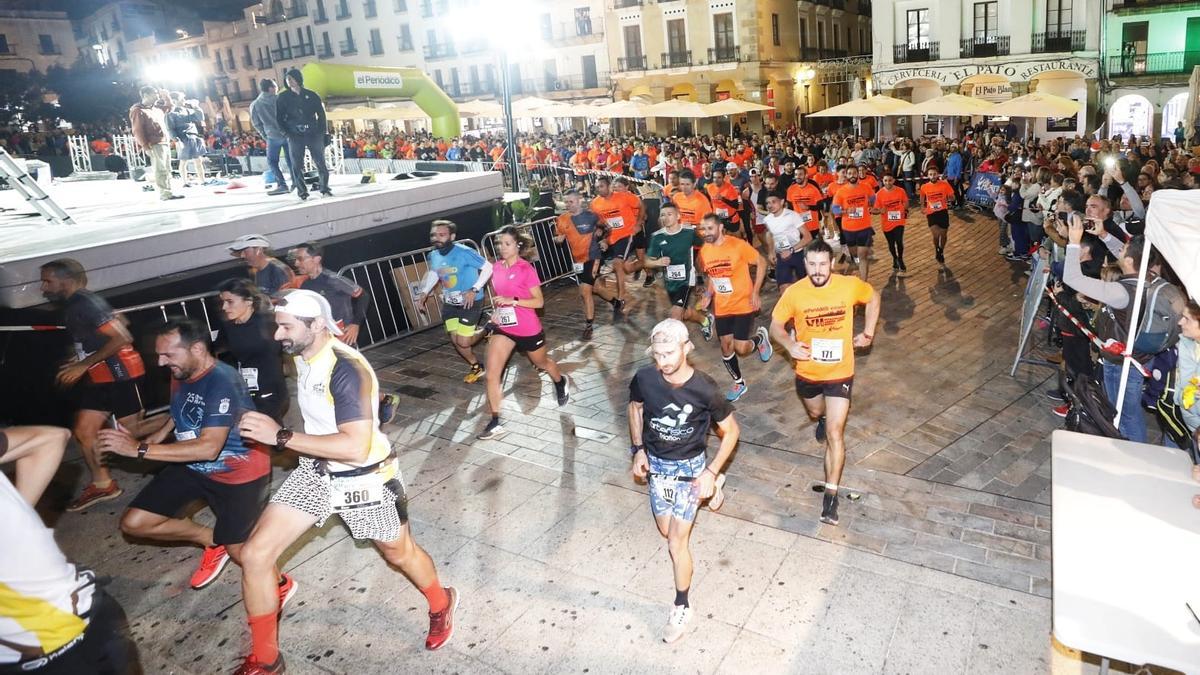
[252,666]
[441,624]
[93,495]
[287,588]
[1061,410]
[214,560]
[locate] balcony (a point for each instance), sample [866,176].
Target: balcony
[725,54]
[265,64]
[474,89]
[289,53]
[622,4]
[369,9]
[679,59]
[1159,63]
[375,48]
[321,16]
[343,11]
[405,44]
[49,50]
[983,47]
[550,85]
[296,11]
[347,47]
[325,52]
[1064,41]
[627,64]
[444,50]
[821,53]
[917,52]
[1134,6]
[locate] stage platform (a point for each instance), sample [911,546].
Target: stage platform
[124,235]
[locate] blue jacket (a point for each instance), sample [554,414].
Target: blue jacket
[640,165]
[954,165]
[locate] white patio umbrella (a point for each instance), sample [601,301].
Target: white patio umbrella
[1037,104]
[875,106]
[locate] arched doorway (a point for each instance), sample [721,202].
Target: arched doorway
[685,91]
[1130,114]
[913,90]
[1172,114]
[1066,84]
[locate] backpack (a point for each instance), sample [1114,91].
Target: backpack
[1091,412]
[1158,327]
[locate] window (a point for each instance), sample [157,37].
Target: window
[862,43]
[475,79]
[723,35]
[1058,16]
[547,28]
[230,64]
[583,21]
[633,42]
[454,90]
[489,76]
[406,44]
[343,9]
[550,74]
[400,6]
[437,77]
[821,35]
[348,46]
[985,21]
[775,30]
[369,9]
[849,47]
[46,45]
[4,44]
[376,42]
[321,16]
[918,27]
[837,37]
[676,37]
[803,34]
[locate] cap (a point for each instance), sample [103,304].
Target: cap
[308,304]
[754,172]
[731,167]
[668,331]
[248,240]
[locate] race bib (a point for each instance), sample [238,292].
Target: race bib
[937,205]
[723,212]
[806,217]
[616,224]
[506,316]
[356,492]
[250,375]
[825,350]
[578,267]
[723,285]
[856,212]
[453,298]
[785,243]
[676,272]
[667,489]
[186,435]
[895,216]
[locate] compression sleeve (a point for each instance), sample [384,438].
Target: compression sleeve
[485,274]
[428,282]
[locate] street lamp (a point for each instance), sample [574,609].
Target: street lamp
[511,21]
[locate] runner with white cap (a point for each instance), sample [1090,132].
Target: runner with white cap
[269,274]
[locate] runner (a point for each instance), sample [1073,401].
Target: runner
[891,203]
[672,248]
[463,274]
[734,298]
[936,196]
[726,201]
[622,185]
[805,198]
[623,215]
[515,324]
[693,204]
[270,274]
[582,230]
[672,406]
[786,232]
[247,334]
[347,467]
[821,311]
[209,461]
[852,205]
[106,370]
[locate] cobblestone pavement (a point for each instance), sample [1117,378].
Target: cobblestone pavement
[942,566]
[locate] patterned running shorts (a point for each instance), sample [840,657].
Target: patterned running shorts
[305,489]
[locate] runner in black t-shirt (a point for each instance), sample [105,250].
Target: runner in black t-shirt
[671,409]
[246,339]
[105,370]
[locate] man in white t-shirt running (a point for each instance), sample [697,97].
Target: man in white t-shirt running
[785,236]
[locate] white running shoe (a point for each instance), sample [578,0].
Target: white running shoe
[677,624]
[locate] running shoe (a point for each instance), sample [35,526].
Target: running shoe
[287,588]
[474,373]
[278,191]
[1057,395]
[736,391]
[1061,410]
[677,624]
[717,500]
[649,280]
[941,256]
[903,268]
[252,666]
[303,196]
[493,430]
[706,328]
[1005,250]
[388,403]
[588,330]
[829,508]
[765,350]
[562,392]
[618,309]
[93,495]
[441,624]
[214,560]
[819,432]
[326,193]
[895,267]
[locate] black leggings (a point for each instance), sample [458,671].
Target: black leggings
[895,241]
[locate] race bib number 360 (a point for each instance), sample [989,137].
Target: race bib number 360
[356,492]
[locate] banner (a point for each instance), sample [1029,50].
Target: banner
[984,188]
[1035,288]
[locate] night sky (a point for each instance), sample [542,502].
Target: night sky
[212,10]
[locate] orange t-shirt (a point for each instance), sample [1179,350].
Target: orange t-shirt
[728,270]
[937,196]
[855,202]
[804,200]
[810,171]
[824,320]
[580,244]
[691,209]
[619,211]
[724,200]
[579,162]
[823,179]
[870,181]
[893,205]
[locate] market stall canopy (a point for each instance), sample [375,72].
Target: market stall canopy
[950,105]
[875,106]
[480,108]
[732,106]
[680,108]
[619,109]
[1037,104]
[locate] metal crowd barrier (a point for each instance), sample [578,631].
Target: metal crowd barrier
[552,260]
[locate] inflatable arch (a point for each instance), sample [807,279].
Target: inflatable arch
[328,79]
